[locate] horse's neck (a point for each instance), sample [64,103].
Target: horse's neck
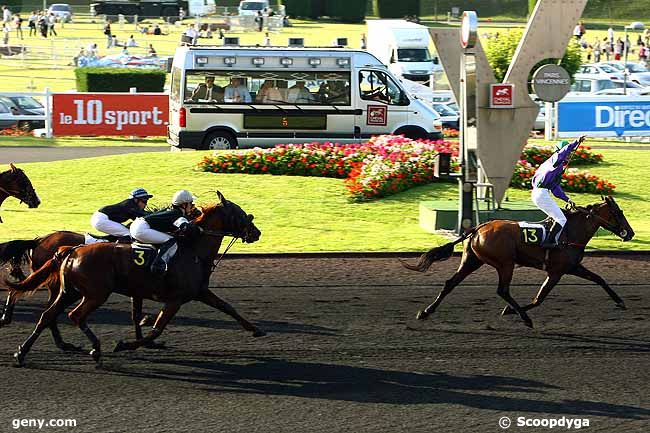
[581,228]
[207,247]
[3,196]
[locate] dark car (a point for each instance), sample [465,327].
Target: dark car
[6,117]
[25,106]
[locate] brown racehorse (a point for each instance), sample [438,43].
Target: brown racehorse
[15,183]
[498,243]
[38,252]
[92,272]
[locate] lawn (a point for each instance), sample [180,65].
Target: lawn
[29,141]
[296,214]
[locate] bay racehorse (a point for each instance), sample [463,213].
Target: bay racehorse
[499,244]
[15,183]
[92,272]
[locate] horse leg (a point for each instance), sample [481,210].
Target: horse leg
[505,277]
[79,316]
[136,315]
[469,264]
[166,314]
[584,273]
[49,315]
[8,311]
[209,298]
[69,299]
[544,290]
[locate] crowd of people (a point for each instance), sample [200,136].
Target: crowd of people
[613,47]
[39,23]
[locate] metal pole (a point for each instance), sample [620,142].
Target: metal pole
[626,48]
[548,121]
[48,113]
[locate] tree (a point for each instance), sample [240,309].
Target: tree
[531,6]
[501,50]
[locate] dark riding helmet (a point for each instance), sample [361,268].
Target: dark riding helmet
[140,193]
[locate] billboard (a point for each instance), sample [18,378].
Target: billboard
[124,114]
[603,116]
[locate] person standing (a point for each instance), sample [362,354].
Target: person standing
[267,40]
[577,32]
[18,24]
[181,14]
[31,23]
[610,38]
[108,33]
[5,34]
[6,15]
[42,25]
[596,50]
[259,20]
[364,41]
[51,20]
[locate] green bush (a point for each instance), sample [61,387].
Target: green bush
[305,8]
[500,52]
[349,11]
[397,8]
[119,79]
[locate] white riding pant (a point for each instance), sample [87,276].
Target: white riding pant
[142,232]
[100,222]
[544,200]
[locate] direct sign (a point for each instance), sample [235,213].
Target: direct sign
[502,95]
[94,114]
[551,83]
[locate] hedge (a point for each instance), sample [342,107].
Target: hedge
[397,8]
[119,79]
[305,8]
[349,11]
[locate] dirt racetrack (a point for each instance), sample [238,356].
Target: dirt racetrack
[344,354]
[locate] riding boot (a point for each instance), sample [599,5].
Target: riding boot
[552,240]
[124,239]
[165,254]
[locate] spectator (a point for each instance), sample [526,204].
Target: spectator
[108,33]
[91,51]
[6,15]
[643,52]
[364,41]
[221,34]
[18,24]
[286,22]
[610,35]
[577,32]
[125,52]
[607,48]
[156,30]
[145,30]
[589,50]
[268,93]
[181,14]
[152,52]
[259,20]
[618,48]
[131,42]
[299,94]
[191,34]
[267,40]
[5,34]
[237,92]
[639,41]
[114,42]
[43,25]
[208,91]
[31,23]
[597,50]
[51,20]
[75,59]
[583,29]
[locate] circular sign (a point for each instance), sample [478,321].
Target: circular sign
[469,29]
[551,83]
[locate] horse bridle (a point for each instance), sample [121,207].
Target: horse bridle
[605,223]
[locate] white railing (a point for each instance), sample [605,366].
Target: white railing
[46,96]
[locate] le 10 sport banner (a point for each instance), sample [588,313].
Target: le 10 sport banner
[94,114]
[604,116]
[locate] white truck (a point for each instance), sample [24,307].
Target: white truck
[229,97]
[252,7]
[404,47]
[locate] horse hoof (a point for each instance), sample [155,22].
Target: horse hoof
[96,355]
[120,346]
[259,333]
[507,310]
[421,315]
[621,305]
[19,359]
[146,319]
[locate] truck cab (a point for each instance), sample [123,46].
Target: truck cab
[252,7]
[229,97]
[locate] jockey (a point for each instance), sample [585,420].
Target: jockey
[110,219]
[546,181]
[155,228]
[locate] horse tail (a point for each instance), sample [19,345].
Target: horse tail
[437,254]
[16,253]
[46,274]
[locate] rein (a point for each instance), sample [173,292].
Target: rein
[604,223]
[222,233]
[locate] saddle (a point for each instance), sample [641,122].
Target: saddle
[534,233]
[143,254]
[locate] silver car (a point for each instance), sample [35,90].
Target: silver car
[638,73]
[7,119]
[62,12]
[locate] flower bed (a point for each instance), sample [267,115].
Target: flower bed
[385,164]
[582,156]
[14,132]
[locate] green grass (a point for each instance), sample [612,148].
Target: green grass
[296,214]
[80,142]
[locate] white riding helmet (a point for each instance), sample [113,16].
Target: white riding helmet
[181,197]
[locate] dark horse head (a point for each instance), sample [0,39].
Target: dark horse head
[612,218]
[15,183]
[228,217]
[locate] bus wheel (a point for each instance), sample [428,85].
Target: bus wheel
[220,140]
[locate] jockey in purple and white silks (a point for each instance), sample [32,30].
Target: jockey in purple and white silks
[546,181]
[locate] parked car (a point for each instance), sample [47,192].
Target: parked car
[25,106]
[252,7]
[601,71]
[7,119]
[62,12]
[448,117]
[638,73]
[588,83]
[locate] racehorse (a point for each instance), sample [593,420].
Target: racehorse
[92,272]
[15,183]
[38,251]
[499,244]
